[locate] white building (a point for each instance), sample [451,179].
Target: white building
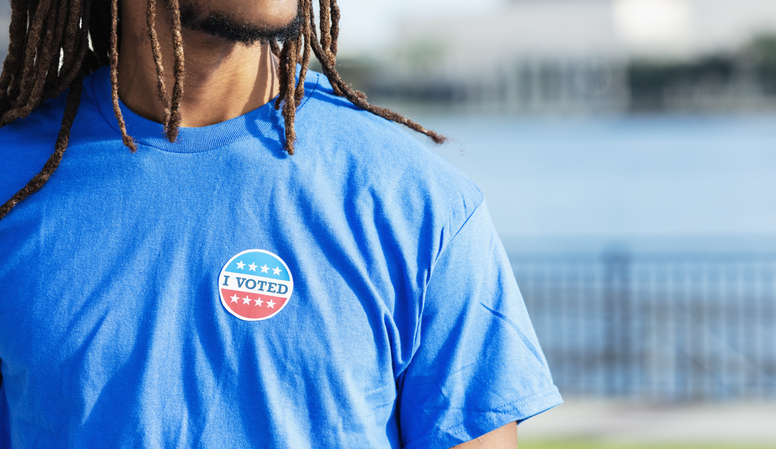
[570,54]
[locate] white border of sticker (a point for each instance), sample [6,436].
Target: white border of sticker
[290,288]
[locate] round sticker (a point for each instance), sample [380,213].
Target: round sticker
[255,285]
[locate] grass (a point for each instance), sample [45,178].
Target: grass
[592,444]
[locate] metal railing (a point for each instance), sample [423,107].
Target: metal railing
[655,327]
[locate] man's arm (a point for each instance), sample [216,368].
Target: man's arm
[478,359]
[504,437]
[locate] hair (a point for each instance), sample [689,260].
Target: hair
[55,43]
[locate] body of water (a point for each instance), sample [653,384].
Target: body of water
[705,181]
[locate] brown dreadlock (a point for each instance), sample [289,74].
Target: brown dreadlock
[42,30]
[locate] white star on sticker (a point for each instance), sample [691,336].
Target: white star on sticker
[271,304]
[235,298]
[240,265]
[252,266]
[264,268]
[276,270]
[259,302]
[247,299]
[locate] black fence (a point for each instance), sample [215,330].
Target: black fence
[655,327]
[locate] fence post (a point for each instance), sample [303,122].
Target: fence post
[618,320]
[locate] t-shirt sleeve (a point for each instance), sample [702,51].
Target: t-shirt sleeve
[478,364]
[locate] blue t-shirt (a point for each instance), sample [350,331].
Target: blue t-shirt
[215,292]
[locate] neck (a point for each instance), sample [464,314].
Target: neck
[222,80]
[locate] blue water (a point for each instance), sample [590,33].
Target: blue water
[631,179]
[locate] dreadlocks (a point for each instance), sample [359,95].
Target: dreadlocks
[43,30]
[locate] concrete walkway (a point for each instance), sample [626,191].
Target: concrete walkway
[624,423]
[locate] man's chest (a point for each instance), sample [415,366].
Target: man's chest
[154,317]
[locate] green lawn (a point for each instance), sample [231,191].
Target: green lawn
[592,444]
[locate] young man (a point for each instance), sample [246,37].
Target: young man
[177,279]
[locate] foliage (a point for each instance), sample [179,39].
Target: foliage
[594,444]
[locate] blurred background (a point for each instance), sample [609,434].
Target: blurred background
[626,149]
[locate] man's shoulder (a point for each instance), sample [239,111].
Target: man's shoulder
[323,110]
[26,144]
[374,149]
[365,154]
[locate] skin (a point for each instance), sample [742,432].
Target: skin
[504,437]
[223,80]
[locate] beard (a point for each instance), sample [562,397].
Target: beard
[234,29]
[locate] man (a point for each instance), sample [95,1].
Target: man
[206,288]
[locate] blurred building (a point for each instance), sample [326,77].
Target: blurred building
[584,55]
[5,20]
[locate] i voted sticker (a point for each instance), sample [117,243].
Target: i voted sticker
[255,285]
